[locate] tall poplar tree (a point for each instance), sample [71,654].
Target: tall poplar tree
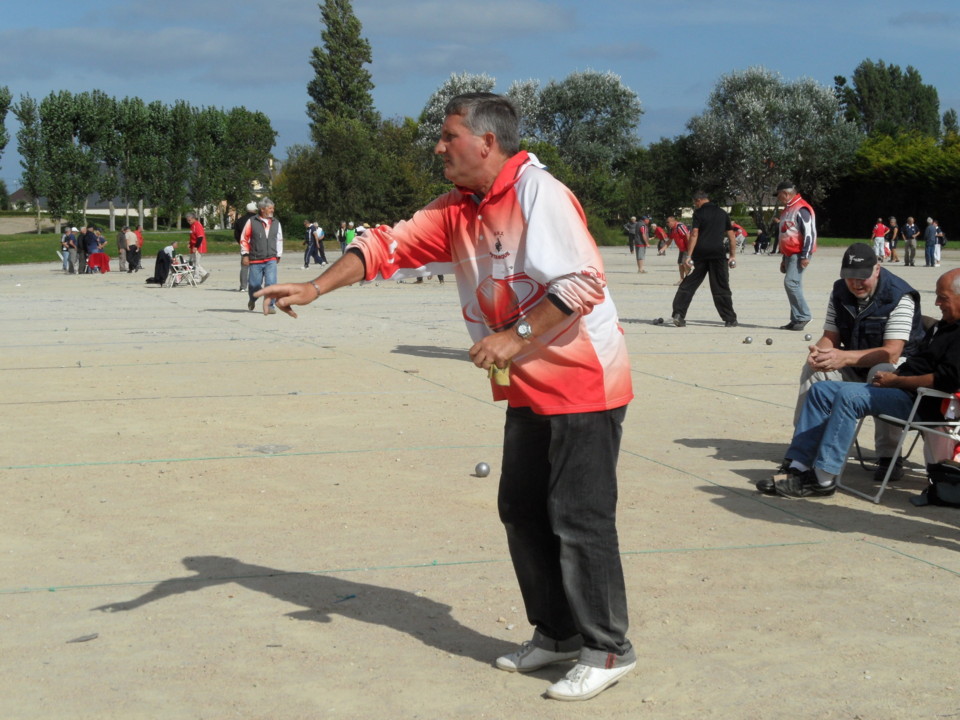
[341,86]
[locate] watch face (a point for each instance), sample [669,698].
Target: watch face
[524,330]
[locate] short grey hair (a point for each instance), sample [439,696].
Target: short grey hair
[484,112]
[264,203]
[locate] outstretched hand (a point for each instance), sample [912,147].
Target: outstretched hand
[288,295]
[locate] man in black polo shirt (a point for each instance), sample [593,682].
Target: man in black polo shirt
[706,255]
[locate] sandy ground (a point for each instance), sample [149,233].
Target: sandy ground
[211,513]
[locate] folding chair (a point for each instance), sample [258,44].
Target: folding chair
[944,428]
[180,270]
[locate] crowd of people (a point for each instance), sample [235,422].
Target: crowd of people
[83,250]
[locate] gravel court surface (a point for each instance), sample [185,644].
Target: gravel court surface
[262,517]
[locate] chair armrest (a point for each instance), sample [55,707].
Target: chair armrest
[933,393]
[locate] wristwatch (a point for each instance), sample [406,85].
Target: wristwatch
[523,329]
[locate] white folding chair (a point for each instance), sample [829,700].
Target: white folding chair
[181,270]
[943,428]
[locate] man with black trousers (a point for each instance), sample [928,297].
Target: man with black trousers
[706,255]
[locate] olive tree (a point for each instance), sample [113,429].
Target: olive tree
[759,129]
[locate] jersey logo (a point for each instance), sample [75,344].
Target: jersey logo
[500,302]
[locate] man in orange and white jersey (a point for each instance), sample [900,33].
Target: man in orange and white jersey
[534,297]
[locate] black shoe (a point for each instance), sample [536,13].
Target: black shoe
[803,485]
[794,325]
[768,485]
[731,323]
[679,321]
[883,465]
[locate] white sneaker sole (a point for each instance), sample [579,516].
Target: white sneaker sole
[564,690]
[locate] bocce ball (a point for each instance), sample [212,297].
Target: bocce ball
[769,341]
[482,470]
[747,340]
[808,336]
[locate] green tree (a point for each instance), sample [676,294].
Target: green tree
[31,149]
[64,160]
[590,118]
[525,95]
[174,163]
[950,123]
[5,99]
[884,99]
[209,142]
[246,159]
[341,86]
[432,115]
[758,129]
[658,180]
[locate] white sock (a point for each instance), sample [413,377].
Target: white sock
[797,465]
[823,477]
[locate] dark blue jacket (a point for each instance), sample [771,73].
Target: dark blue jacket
[860,330]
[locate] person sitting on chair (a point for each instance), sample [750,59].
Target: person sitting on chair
[873,323]
[831,411]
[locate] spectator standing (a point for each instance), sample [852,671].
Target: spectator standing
[71,250]
[879,238]
[261,247]
[798,242]
[342,237]
[198,246]
[122,248]
[238,226]
[909,232]
[133,250]
[642,242]
[930,240]
[632,229]
[313,244]
[892,238]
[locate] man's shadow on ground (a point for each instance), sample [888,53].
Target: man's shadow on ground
[324,596]
[934,526]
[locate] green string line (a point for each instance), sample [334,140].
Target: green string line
[912,557]
[306,453]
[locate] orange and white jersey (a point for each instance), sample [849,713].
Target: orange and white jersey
[525,238]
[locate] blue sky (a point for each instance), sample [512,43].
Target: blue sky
[670,52]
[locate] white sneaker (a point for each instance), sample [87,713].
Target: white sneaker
[529,657]
[585,681]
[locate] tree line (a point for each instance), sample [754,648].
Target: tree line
[874,144]
[171,158]
[879,131]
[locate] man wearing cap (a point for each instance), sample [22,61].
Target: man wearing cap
[828,420]
[798,241]
[69,245]
[706,255]
[873,323]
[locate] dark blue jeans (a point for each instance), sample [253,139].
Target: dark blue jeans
[558,501]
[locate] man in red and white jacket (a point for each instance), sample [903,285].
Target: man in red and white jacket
[534,298]
[678,233]
[198,246]
[879,237]
[798,243]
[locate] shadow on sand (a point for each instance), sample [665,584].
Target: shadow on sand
[324,596]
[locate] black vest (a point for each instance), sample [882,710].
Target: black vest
[263,244]
[860,330]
